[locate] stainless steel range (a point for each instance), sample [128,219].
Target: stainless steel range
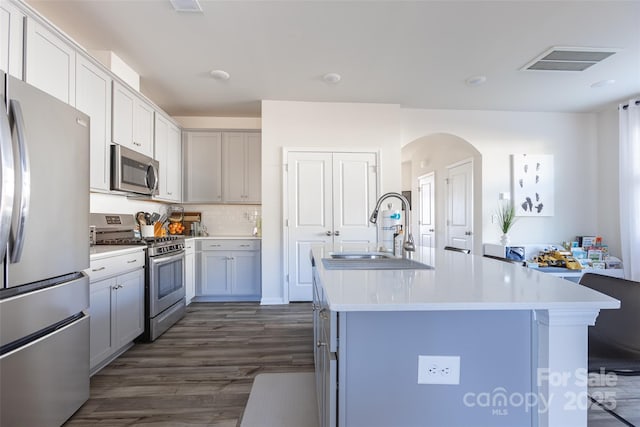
[164,270]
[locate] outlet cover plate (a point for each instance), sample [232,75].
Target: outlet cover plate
[438,369]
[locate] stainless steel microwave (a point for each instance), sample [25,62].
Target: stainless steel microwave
[133,172]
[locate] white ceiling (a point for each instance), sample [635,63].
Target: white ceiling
[416,54]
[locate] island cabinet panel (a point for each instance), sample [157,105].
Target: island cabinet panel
[364,357]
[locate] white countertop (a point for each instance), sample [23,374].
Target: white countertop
[457,282]
[105,251]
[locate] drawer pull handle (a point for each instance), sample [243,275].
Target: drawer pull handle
[320,344]
[98,269]
[132,261]
[244,246]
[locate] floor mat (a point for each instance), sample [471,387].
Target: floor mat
[282,400]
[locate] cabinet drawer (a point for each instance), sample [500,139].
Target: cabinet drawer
[107,267]
[226,245]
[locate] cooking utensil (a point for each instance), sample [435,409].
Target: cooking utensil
[140,218]
[155,217]
[147,217]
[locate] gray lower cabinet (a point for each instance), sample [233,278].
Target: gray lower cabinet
[116,306]
[229,270]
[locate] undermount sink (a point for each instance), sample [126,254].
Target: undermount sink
[359,255]
[370,261]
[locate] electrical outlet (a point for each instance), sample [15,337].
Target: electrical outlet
[438,369]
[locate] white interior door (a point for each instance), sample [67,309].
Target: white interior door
[426,219]
[329,199]
[354,198]
[310,216]
[460,205]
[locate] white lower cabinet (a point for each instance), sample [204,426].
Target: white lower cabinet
[116,306]
[229,270]
[190,269]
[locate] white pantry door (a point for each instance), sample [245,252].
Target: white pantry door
[460,205]
[426,221]
[329,199]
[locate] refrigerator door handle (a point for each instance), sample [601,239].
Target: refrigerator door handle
[7,175]
[24,182]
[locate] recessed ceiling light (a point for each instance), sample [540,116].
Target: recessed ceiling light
[476,80]
[603,83]
[220,75]
[332,77]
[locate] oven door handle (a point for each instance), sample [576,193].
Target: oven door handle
[163,259]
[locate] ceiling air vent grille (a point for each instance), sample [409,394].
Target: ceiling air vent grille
[186,6]
[568,59]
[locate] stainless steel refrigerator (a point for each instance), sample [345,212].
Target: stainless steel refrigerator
[44,246]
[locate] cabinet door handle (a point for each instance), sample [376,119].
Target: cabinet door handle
[244,246]
[328,233]
[337,233]
[99,269]
[320,343]
[132,261]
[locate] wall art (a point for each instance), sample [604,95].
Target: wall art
[533,186]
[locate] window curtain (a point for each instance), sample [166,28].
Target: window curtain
[630,188]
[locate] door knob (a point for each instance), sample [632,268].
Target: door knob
[337,233]
[328,233]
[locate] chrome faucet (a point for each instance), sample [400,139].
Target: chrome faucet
[407,244]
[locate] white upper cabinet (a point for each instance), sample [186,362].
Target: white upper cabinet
[93,97]
[11,39]
[133,120]
[168,152]
[202,164]
[50,62]
[242,160]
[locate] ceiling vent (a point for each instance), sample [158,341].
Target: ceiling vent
[186,6]
[568,59]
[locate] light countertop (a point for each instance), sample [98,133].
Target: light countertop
[105,251]
[457,282]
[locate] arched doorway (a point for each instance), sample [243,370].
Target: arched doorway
[435,154]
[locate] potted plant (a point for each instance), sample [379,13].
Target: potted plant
[506,218]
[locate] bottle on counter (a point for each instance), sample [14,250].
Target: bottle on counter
[398,238]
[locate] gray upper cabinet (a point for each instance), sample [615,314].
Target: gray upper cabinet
[242,167]
[168,152]
[50,62]
[133,120]
[93,97]
[222,167]
[11,39]
[202,167]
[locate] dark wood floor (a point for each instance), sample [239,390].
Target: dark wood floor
[200,372]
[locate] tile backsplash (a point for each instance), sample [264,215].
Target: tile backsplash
[220,220]
[227,220]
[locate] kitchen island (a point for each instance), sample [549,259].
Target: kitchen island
[514,342]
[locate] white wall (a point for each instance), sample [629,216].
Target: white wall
[195,122]
[325,126]
[571,138]
[608,168]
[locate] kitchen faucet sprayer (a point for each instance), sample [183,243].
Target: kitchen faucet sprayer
[407,244]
